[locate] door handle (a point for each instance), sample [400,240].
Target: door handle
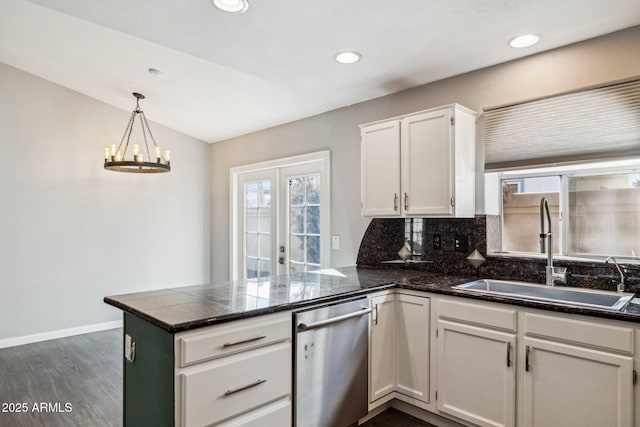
[508,355]
[406,201]
[526,359]
[308,326]
[395,202]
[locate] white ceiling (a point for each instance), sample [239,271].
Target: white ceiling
[225,75]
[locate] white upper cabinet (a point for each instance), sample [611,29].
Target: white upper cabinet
[421,164]
[380,154]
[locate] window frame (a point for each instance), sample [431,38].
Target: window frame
[565,172]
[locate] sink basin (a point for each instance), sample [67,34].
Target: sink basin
[584,297]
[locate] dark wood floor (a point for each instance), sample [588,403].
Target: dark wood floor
[85,372]
[394,418]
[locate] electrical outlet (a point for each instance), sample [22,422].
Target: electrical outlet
[437,242]
[461,243]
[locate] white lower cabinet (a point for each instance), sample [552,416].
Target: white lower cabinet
[399,348]
[476,370]
[567,385]
[495,361]
[577,373]
[382,347]
[237,374]
[412,350]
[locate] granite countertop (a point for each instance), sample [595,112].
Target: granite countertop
[190,307]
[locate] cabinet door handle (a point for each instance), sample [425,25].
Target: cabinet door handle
[230,392]
[395,202]
[508,355]
[375,314]
[526,359]
[231,344]
[406,201]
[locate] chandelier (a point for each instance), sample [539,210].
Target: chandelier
[115,157]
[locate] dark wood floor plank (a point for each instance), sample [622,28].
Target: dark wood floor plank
[84,371]
[394,418]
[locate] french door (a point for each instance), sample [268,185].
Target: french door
[280,215]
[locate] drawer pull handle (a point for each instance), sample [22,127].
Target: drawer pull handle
[231,344]
[246,387]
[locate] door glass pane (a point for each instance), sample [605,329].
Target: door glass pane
[265,194]
[304,222]
[297,249]
[265,246]
[313,250]
[313,189]
[251,195]
[296,191]
[251,270]
[257,224]
[296,220]
[251,220]
[251,242]
[313,219]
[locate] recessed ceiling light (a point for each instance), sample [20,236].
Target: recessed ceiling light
[348,57]
[232,6]
[154,72]
[524,40]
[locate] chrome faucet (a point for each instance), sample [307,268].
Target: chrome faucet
[553,274]
[620,287]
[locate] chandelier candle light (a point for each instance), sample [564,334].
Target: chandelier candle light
[114,157]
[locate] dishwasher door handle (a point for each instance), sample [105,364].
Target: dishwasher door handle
[308,326]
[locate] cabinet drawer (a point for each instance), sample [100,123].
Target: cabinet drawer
[593,334]
[275,414]
[230,338]
[220,389]
[478,313]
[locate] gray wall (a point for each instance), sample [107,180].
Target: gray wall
[605,59]
[72,232]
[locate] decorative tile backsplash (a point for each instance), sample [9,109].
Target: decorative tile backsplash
[385,236]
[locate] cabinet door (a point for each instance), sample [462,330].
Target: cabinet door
[476,374]
[382,351]
[427,164]
[380,169]
[566,385]
[412,328]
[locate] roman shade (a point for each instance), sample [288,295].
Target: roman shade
[594,124]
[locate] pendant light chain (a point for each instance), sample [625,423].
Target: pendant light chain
[127,134]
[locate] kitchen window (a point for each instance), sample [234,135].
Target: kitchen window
[595,209]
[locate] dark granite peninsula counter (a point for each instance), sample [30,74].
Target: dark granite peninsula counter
[190,307]
[188,349]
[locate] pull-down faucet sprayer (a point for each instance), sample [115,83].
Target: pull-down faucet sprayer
[553,274]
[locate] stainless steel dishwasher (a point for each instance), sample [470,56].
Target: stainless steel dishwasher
[331,364]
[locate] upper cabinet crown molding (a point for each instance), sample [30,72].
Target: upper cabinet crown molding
[420,164]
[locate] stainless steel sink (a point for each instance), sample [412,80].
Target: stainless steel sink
[583,297]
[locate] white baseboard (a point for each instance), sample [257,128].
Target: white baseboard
[60,333]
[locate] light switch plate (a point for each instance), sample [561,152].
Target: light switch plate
[335,242]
